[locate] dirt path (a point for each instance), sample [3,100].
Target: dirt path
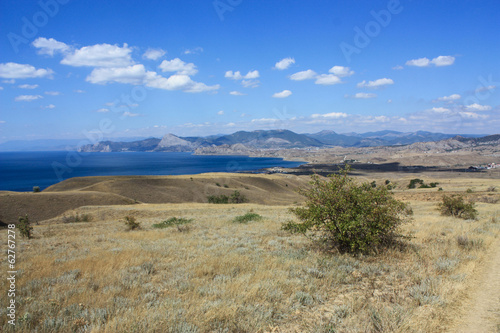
[481,312]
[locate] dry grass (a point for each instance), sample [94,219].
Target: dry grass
[221,276]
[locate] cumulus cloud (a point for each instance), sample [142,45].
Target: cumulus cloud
[362,95]
[49,46]
[99,55]
[50,106]
[28,86]
[303,75]
[130,114]
[196,50]
[13,70]
[327,79]
[443,61]
[250,83]
[375,84]
[220,113]
[331,115]
[438,61]
[153,54]
[282,94]
[178,66]
[284,63]
[237,75]
[102,110]
[27,98]
[341,71]
[236,93]
[397,67]
[450,98]
[441,110]
[137,75]
[478,107]
[79,91]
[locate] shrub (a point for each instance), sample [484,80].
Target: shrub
[456,206]
[491,189]
[469,190]
[352,218]
[218,199]
[247,218]
[373,184]
[237,197]
[171,222]
[36,189]
[25,227]
[226,186]
[131,223]
[414,182]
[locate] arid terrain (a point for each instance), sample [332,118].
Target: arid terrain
[213,274]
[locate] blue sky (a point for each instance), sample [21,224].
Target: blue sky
[75,69]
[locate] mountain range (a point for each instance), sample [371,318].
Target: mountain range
[273,139]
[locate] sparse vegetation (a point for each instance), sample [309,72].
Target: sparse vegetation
[236,197]
[36,189]
[415,181]
[350,217]
[456,206]
[77,218]
[131,223]
[24,227]
[173,221]
[248,217]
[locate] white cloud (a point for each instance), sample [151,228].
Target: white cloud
[220,113]
[236,93]
[52,93]
[79,91]
[196,50]
[102,110]
[478,107]
[99,55]
[1,88]
[9,81]
[341,71]
[397,67]
[138,75]
[178,66]
[2,121]
[450,98]
[376,83]
[49,46]
[153,54]
[28,86]
[443,61]
[237,75]
[303,75]
[250,83]
[472,115]
[438,61]
[13,70]
[284,63]
[441,110]
[282,94]
[130,114]
[50,106]
[481,89]
[327,79]
[27,98]
[362,95]
[421,62]
[332,115]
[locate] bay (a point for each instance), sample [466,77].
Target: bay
[20,171]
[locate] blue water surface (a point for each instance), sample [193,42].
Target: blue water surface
[20,171]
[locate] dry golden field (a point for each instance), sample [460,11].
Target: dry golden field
[215,275]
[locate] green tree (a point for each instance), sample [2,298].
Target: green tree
[25,227]
[351,217]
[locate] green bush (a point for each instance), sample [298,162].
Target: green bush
[350,217]
[236,197]
[456,206]
[25,227]
[36,189]
[173,221]
[131,223]
[247,218]
[414,182]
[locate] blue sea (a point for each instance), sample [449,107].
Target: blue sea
[20,171]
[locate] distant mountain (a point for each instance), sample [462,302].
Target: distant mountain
[380,138]
[50,144]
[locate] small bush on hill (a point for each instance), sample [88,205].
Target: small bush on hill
[131,223]
[172,222]
[414,182]
[351,217]
[456,206]
[236,197]
[36,189]
[247,218]
[25,227]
